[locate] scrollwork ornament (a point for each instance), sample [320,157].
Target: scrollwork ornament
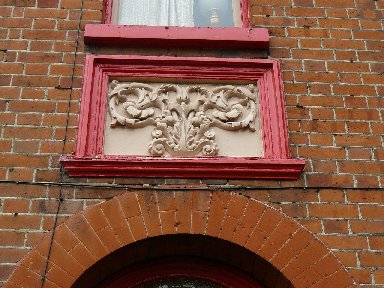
[183,115]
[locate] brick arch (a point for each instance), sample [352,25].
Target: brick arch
[100,230]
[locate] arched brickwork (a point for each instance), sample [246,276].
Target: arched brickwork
[167,249]
[99,230]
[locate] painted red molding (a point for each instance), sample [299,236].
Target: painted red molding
[88,160]
[198,167]
[183,37]
[186,267]
[107,11]
[244,4]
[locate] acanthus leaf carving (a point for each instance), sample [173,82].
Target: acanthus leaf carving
[183,115]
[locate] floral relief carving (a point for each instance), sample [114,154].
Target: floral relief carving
[183,115]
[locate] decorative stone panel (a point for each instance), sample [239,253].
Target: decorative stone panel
[184,119]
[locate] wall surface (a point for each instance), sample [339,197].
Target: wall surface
[333,73]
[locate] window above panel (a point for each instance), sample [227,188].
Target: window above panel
[182,13]
[188,13]
[211,30]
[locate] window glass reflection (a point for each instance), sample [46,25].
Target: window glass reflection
[182,283]
[208,13]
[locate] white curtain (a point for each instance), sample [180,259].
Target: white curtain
[156,12]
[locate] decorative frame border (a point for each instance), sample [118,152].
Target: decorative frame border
[88,160]
[108,34]
[244,6]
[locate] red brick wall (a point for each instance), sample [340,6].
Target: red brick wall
[332,57]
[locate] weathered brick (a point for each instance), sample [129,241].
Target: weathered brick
[356,140]
[371,259]
[332,71]
[333,211]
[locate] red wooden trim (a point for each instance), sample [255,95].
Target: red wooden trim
[244,5]
[89,160]
[226,167]
[107,12]
[187,37]
[275,121]
[85,108]
[144,274]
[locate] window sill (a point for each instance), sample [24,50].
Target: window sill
[199,167]
[179,37]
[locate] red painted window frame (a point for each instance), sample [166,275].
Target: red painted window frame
[107,12]
[108,34]
[146,273]
[89,161]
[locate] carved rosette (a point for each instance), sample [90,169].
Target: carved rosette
[183,116]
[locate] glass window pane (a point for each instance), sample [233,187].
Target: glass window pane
[188,13]
[211,13]
[182,283]
[156,12]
